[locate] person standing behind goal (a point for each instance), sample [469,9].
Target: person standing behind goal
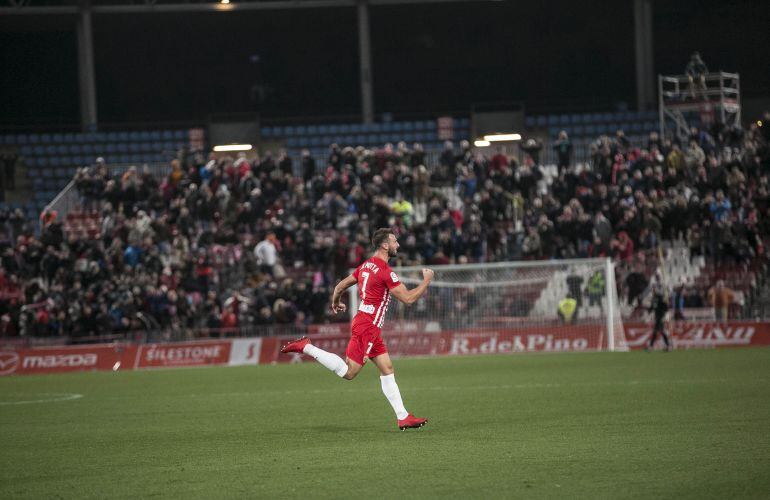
[376,283]
[659,308]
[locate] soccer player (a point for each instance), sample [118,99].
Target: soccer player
[376,283]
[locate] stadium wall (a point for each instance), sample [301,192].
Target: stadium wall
[411,340]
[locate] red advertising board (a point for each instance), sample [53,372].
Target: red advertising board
[703,334]
[66,359]
[414,339]
[183,354]
[458,342]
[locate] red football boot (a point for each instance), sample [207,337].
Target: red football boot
[295,345]
[411,422]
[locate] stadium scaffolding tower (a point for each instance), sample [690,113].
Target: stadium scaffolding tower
[680,100]
[515,298]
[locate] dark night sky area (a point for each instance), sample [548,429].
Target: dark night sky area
[551,54]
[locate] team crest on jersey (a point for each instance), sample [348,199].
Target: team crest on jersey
[394,277]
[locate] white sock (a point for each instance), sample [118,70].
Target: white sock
[390,389]
[328,359]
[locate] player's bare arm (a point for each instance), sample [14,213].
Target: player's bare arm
[403,294]
[343,285]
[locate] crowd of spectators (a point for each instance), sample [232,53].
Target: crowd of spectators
[224,241]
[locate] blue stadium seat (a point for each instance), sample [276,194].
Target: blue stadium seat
[181,135]
[312,130]
[323,129]
[134,136]
[167,135]
[552,120]
[408,126]
[61,149]
[301,130]
[529,121]
[344,128]
[75,149]
[419,125]
[155,135]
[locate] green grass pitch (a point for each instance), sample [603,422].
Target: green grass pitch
[687,424]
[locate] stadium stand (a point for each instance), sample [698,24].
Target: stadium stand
[52,158]
[175,251]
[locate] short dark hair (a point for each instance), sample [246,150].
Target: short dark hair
[380,236]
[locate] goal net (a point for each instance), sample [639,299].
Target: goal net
[565,305]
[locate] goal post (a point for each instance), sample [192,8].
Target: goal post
[557,305]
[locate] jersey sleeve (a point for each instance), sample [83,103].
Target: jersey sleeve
[355,273]
[391,280]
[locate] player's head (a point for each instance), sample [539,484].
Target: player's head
[384,239]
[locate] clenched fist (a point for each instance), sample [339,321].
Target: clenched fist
[427,274]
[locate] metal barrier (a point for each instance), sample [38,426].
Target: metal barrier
[155,336]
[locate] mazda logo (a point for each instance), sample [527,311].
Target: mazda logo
[9,361]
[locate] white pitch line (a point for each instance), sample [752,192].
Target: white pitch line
[63,397]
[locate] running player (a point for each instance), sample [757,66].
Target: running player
[376,283]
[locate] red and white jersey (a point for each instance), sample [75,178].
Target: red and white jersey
[375,279]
